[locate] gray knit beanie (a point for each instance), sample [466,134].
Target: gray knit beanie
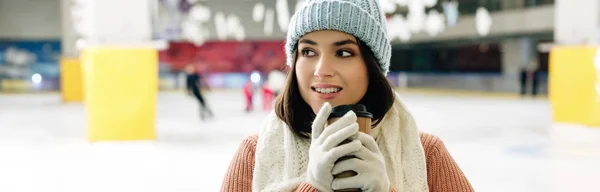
[361,18]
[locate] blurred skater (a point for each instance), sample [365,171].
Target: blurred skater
[248,93]
[268,96]
[271,88]
[523,76]
[535,82]
[276,81]
[193,85]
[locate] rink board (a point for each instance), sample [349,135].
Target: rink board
[120,96]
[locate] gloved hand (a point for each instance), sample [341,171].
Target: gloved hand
[369,165]
[325,146]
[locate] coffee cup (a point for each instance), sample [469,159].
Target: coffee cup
[363,118]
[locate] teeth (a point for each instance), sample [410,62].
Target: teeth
[327,90]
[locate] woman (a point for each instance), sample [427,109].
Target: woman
[339,54]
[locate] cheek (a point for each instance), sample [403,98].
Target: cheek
[358,81]
[303,76]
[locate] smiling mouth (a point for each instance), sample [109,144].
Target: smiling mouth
[328,90]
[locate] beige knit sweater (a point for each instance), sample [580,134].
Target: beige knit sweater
[443,174]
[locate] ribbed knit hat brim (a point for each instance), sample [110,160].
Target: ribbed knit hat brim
[345,16]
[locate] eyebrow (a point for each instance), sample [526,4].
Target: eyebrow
[344,42]
[310,42]
[338,43]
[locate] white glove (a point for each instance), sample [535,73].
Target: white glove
[325,146]
[369,165]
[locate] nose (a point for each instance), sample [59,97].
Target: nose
[324,67]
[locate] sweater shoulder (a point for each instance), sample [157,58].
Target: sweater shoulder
[251,141]
[430,143]
[443,173]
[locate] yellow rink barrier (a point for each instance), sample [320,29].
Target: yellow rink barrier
[71,80]
[574,82]
[16,85]
[120,96]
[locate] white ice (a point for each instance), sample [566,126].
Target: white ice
[500,144]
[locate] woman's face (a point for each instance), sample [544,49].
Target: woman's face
[330,68]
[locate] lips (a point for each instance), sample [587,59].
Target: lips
[326,91]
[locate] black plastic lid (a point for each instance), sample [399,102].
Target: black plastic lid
[359,109]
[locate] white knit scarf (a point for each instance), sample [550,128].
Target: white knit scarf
[281,157]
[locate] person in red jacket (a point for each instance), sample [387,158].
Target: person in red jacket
[268,96]
[248,93]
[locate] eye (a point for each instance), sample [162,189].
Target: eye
[308,53]
[343,53]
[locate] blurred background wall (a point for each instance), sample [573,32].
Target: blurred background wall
[30,20]
[461,53]
[30,36]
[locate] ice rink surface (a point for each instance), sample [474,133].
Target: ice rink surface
[500,144]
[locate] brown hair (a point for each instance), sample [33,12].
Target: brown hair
[297,114]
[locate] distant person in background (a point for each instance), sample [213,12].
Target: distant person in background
[523,80]
[193,85]
[248,93]
[535,82]
[530,73]
[271,88]
[276,81]
[268,96]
